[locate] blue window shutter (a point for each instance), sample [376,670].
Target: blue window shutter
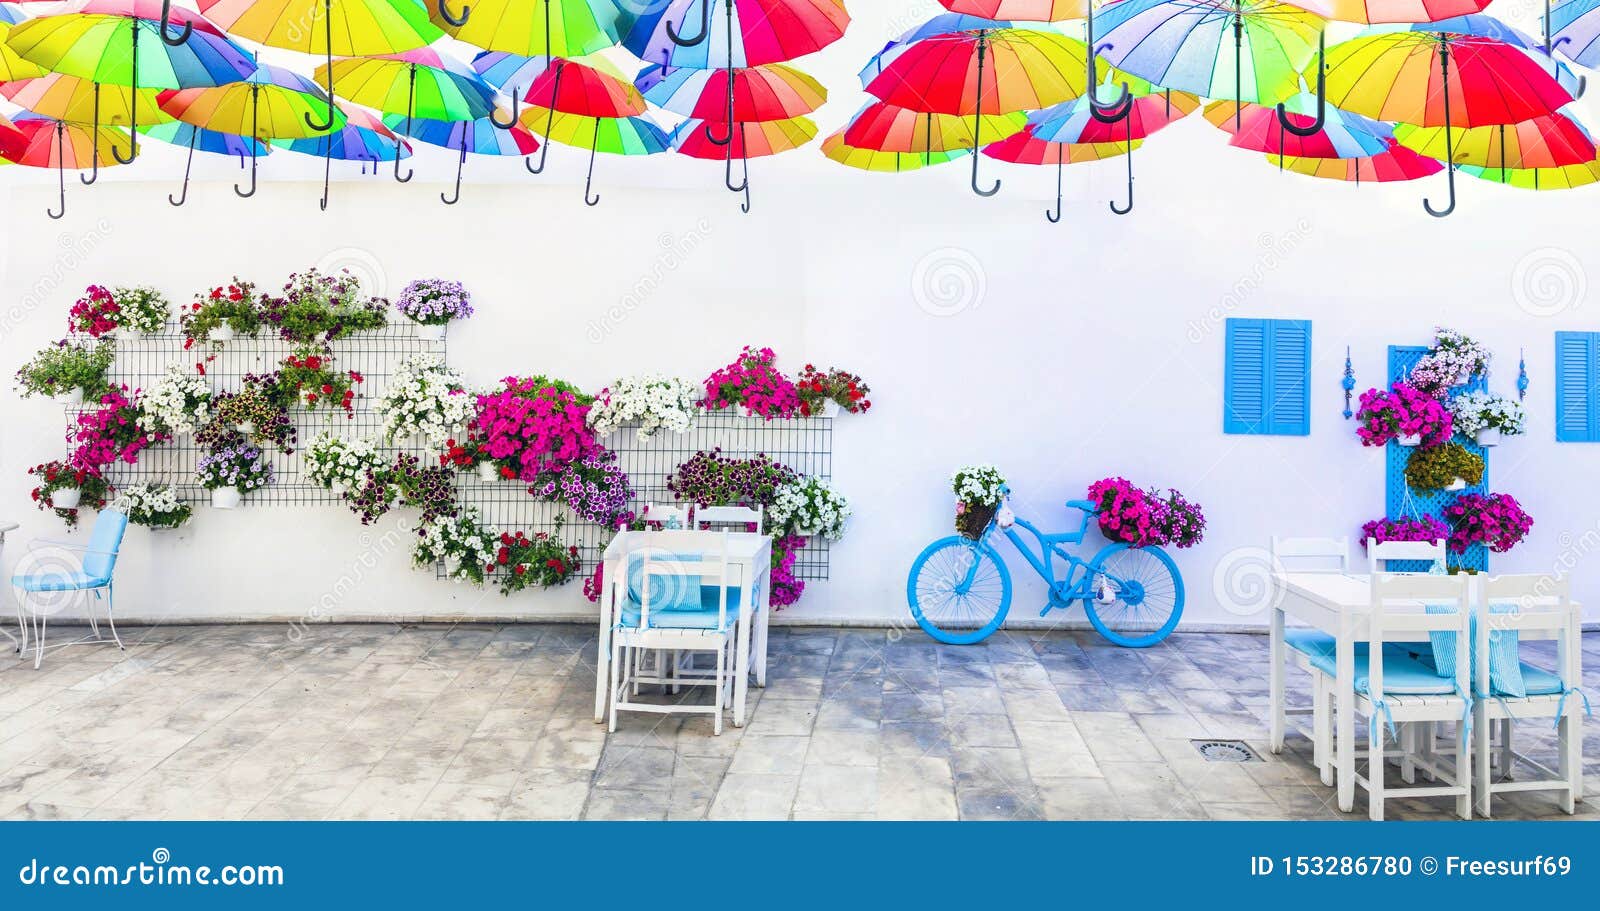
[1288,377]
[1577,376]
[1244,396]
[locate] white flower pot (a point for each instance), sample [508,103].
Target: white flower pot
[488,471]
[452,565]
[72,398]
[431,333]
[1457,484]
[1410,439]
[830,409]
[67,498]
[221,334]
[806,531]
[245,427]
[1488,436]
[226,497]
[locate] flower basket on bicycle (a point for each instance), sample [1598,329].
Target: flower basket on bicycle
[972,519]
[979,490]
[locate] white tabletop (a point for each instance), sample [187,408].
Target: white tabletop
[743,547]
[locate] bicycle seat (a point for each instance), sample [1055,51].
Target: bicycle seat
[1084,505]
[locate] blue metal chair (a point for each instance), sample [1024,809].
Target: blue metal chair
[54,569]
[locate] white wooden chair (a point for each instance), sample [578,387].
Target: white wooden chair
[1379,555]
[1541,608]
[17,643]
[666,515]
[652,618]
[739,517]
[1311,555]
[1394,688]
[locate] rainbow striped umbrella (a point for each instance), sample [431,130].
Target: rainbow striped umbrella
[535,28]
[273,102]
[109,49]
[1544,142]
[611,135]
[1257,128]
[48,143]
[1413,76]
[418,83]
[363,138]
[350,28]
[772,91]
[1563,178]
[200,139]
[1085,122]
[480,136]
[1395,164]
[734,33]
[594,89]
[507,71]
[942,24]
[1025,148]
[11,66]
[1027,10]
[757,139]
[836,149]
[1028,69]
[1575,30]
[887,128]
[1373,12]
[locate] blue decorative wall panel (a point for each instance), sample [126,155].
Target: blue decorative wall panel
[1432,502]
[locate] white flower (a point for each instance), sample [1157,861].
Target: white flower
[812,505]
[1475,411]
[178,402]
[152,504]
[425,398]
[653,402]
[341,465]
[462,538]
[980,485]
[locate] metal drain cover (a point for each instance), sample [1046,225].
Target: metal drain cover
[1225,751]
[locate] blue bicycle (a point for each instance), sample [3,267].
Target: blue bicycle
[960,589]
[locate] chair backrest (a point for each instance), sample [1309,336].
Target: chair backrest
[1411,607]
[741,516]
[656,512]
[708,567]
[1378,554]
[1311,555]
[104,542]
[1536,606]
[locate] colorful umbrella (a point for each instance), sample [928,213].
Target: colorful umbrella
[747,33]
[479,136]
[772,91]
[1260,129]
[1246,50]
[507,71]
[593,89]
[1574,27]
[1544,142]
[612,135]
[1407,77]
[350,28]
[1373,12]
[62,97]
[944,74]
[942,24]
[362,138]
[1563,178]
[203,140]
[535,28]
[1027,148]
[836,149]
[888,128]
[47,143]
[106,49]
[1083,122]
[756,139]
[11,66]
[1397,163]
[417,83]
[273,102]
[1027,10]
[1483,26]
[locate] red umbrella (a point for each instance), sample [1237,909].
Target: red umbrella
[569,87]
[1398,163]
[1021,10]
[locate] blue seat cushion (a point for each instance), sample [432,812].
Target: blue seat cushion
[680,619]
[1505,670]
[672,592]
[58,581]
[710,598]
[1402,675]
[1309,641]
[1541,682]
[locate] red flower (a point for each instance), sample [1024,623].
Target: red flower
[327,389]
[507,472]
[520,569]
[313,363]
[188,343]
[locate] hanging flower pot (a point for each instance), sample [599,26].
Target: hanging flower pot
[66,498]
[745,411]
[830,409]
[1457,484]
[452,565]
[226,497]
[222,333]
[1409,440]
[247,428]
[1488,436]
[487,472]
[431,332]
[71,398]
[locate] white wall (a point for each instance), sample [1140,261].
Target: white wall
[1061,352]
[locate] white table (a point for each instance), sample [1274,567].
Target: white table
[6,526]
[750,554]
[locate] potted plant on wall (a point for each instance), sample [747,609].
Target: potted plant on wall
[534,425]
[178,402]
[652,403]
[64,488]
[316,308]
[979,489]
[1145,518]
[250,414]
[1404,528]
[1453,361]
[1495,520]
[1403,414]
[432,303]
[142,309]
[155,506]
[233,471]
[67,371]
[341,465]
[95,314]
[469,452]
[466,546]
[594,487]
[1486,418]
[541,559]
[112,431]
[1448,467]
[708,478]
[753,385]
[307,377]
[808,508]
[222,314]
[426,402]
[825,394]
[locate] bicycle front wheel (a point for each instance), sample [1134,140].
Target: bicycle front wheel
[1136,595]
[959,591]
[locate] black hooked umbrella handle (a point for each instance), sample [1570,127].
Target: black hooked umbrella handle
[705,27]
[1124,210]
[444,13]
[255,130]
[166,20]
[494,115]
[189,163]
[1103,111]
[61,169]
[977,121]
[447,200]
[1449,145]
[327,169]
[94,172]
[327,40]
[549,124]
[133,102]
[411,101]
[1322,99]
[589,180]
[1055,217]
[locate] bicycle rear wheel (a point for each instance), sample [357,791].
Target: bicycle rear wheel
[1143,595]
[959,592]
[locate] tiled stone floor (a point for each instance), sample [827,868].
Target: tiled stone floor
[487,722]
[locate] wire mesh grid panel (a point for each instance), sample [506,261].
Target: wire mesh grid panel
[805,445]
[142,358]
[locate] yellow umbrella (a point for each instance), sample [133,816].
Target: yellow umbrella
[62,97]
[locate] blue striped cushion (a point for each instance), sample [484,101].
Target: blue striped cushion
[1505,670]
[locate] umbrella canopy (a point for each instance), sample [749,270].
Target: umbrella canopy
[750,140]
[1543,142]
[1371,12]
[942,24]
[509,72]
[101,48]
[593,89]
[45,143]
[11,139]
[200,139]
[1028,10]
[717,34]
[535,28]
[1564,178]
[1073,123]
[887,128]
[362,137]
[422,82]
[1575,30]
[271,103]
[773,91]
[1025,148]
[1244,50]
[1397,163]
[62,97]
[11,65]
[836,149]
[1257,128]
